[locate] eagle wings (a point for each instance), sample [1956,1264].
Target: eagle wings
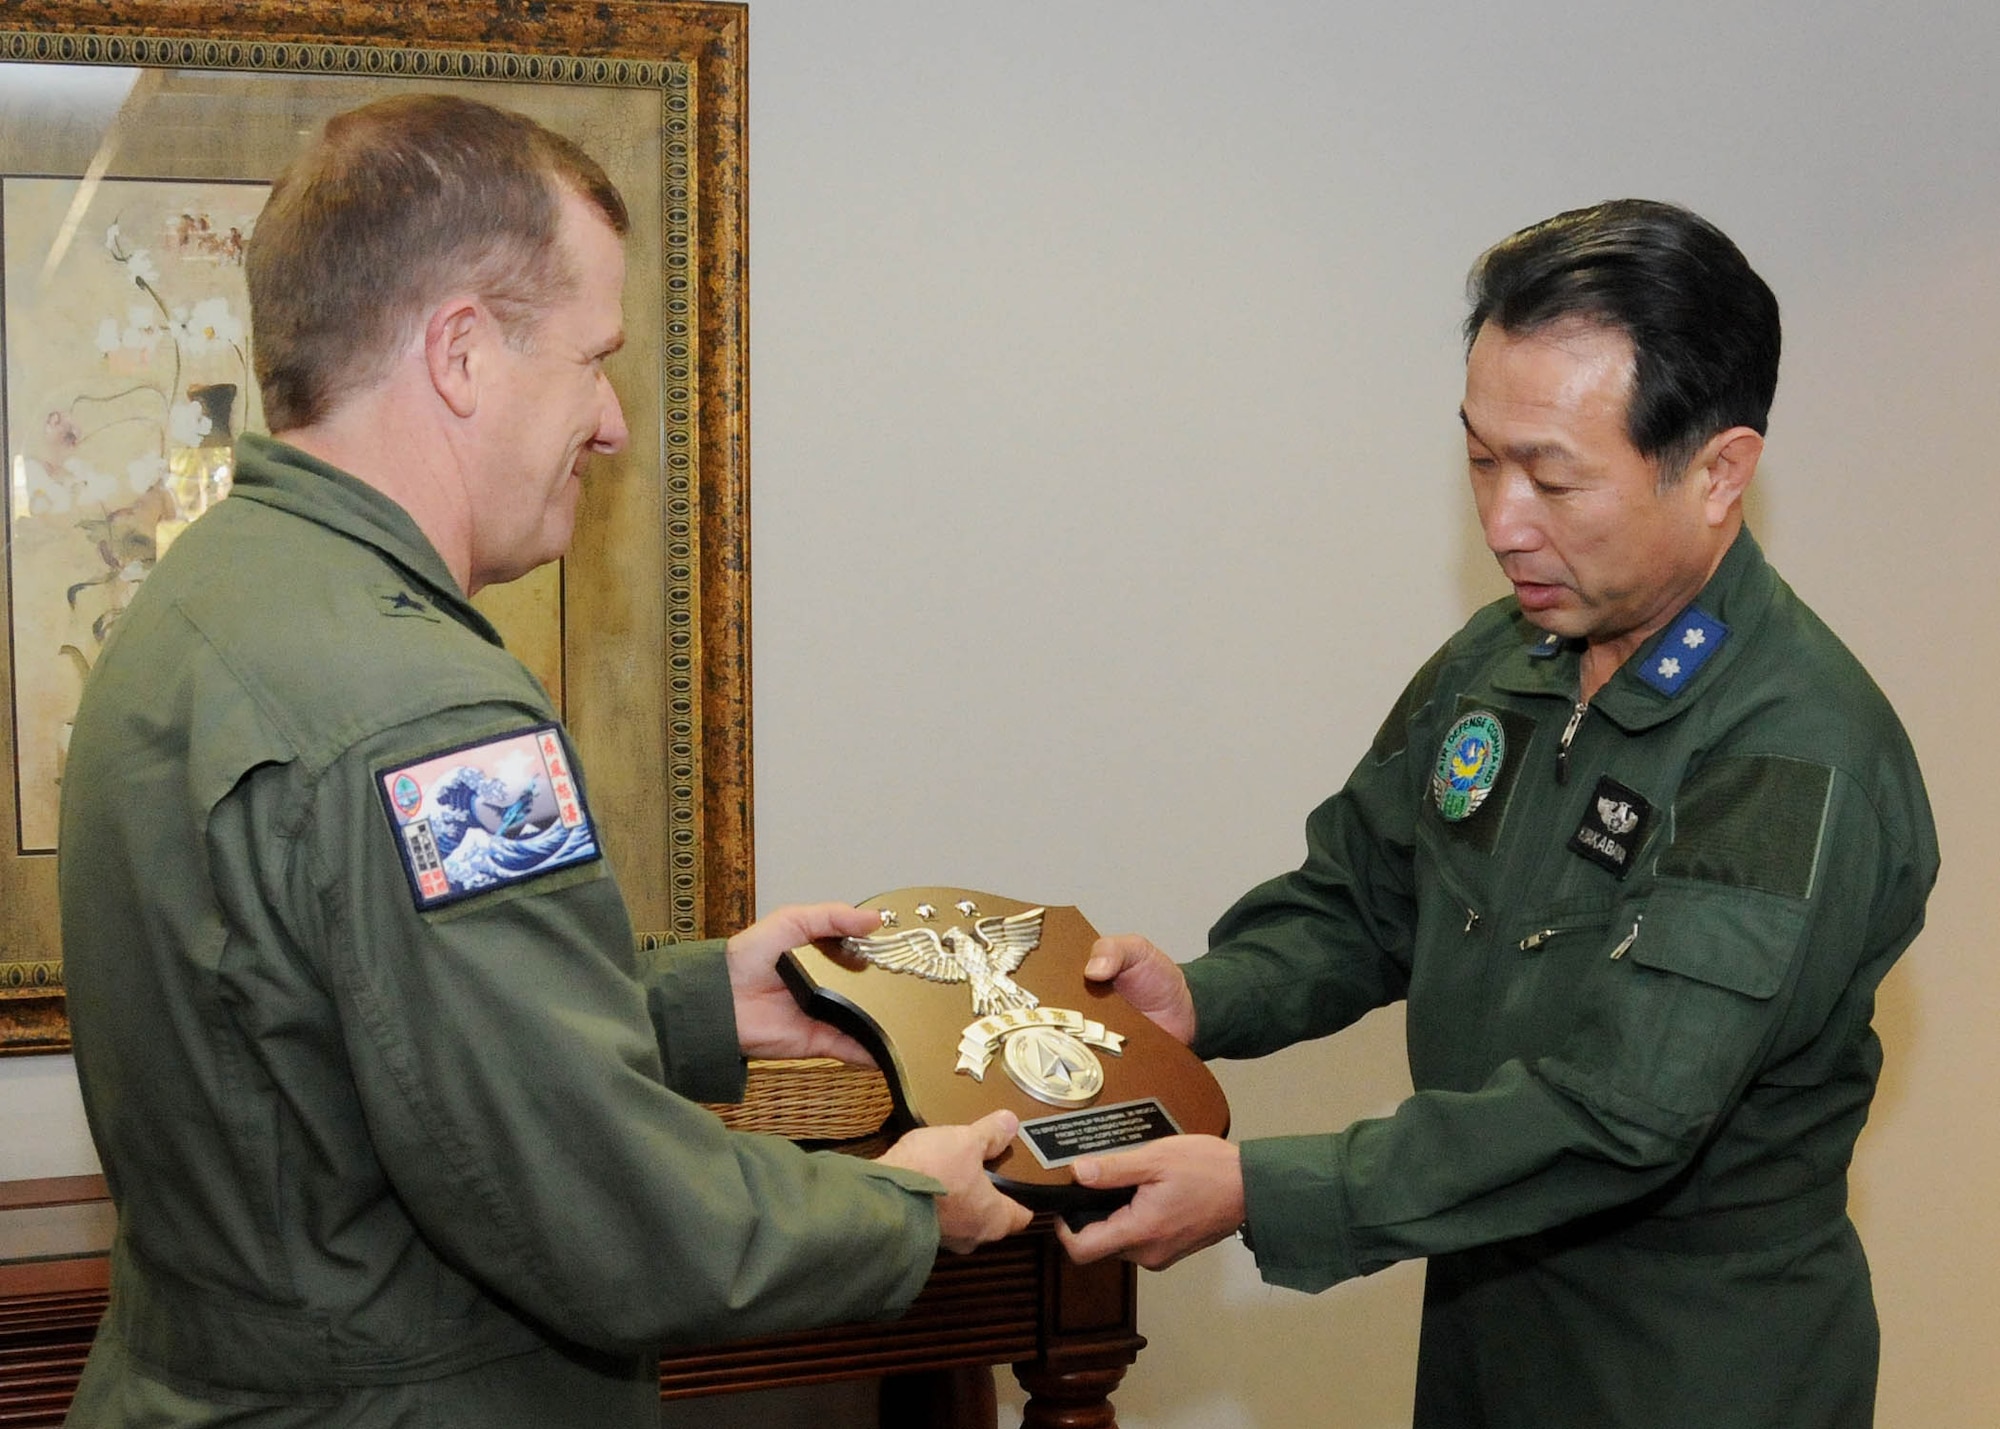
[985,957]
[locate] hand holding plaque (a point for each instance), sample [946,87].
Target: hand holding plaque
[970,1002]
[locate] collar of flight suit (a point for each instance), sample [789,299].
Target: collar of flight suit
[1738,595]
[284,478]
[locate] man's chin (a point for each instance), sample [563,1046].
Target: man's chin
[524,563]
[1566,622]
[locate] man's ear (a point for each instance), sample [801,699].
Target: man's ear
[1724,467]
[452,338]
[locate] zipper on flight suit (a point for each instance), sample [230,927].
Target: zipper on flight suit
[1569,733]
[1458,895]
[1542,936]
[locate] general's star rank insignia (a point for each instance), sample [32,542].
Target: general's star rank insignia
[1467,765]
[396,601]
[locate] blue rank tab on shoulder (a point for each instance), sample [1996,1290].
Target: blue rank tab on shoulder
[1688,644]
[1546,647]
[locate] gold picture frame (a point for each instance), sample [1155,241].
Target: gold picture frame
[643,633]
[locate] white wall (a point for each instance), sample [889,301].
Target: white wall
[1107,488]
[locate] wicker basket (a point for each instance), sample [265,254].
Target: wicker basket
[813,1099]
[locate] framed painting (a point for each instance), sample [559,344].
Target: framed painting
[137,140]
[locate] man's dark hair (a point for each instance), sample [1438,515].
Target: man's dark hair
[1703,325]
[398,204]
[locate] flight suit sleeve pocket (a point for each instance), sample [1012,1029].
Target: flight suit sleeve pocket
[1738,940]
[1681,1016]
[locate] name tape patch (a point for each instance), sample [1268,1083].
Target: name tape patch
[486,815]
[1614,827]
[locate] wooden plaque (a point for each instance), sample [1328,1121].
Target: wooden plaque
[971,1002]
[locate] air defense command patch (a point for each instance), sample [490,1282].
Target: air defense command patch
[1468,764]
[485,815]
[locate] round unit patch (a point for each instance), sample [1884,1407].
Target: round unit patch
[1467,765]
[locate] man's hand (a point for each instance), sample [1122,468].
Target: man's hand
[972,1211]
[769,1021]
[1190,1195]
[1147,978]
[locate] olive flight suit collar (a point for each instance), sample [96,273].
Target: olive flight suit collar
[286,479]
[1697,648]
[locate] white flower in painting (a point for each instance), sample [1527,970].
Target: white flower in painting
[210,326]
[109,336]
[88,485]
[187,424]
[142,329]
[133,573]
[113,244]
[140,269]
[146,473]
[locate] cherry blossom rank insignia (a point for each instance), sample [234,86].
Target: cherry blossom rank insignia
[1468,765]
[1684,647]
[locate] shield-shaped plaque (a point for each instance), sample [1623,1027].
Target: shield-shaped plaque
[970,1002]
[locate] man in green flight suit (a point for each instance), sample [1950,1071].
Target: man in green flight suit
[394,1113]
[1637,846]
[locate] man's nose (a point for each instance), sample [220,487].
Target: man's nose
[612,433]
[1507,515]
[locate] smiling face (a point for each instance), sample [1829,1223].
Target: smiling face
[1574,514]
[553,407]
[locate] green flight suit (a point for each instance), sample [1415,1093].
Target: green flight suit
[379,1162]
[1640,957]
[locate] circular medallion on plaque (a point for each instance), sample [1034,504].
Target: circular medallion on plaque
[1052,1066]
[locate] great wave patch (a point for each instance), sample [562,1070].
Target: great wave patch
[485,815]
